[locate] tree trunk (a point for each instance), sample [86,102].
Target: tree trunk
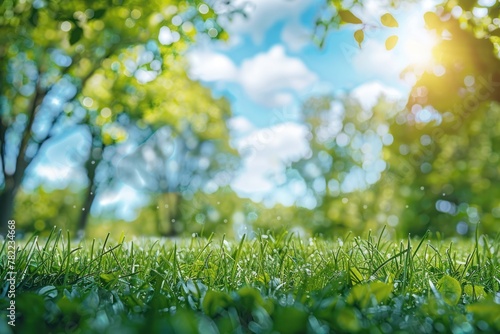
[93,161]
[13,182]
[84,215]
[7,197]
[168,214]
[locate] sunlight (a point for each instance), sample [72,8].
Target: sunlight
[417,45]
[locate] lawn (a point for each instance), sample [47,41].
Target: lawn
[270,284]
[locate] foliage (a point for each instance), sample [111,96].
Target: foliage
[41,210]
[439,166]
[445,142]
[347,142]
[112,67]
[271,283]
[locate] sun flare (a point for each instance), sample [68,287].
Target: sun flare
[417,45]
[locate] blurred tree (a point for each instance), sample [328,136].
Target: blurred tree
[347,140]
[60,66]
[40,210]
[443,169]
[174,165]
[171,102]
[444,161]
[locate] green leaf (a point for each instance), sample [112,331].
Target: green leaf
[450,289]
[391,42]
[109,278]
[362,294]
[99,13]
[359,36]
[67,306]
[290,319]
[75,35]
[348,17]
[487,311]
[34,17]
[250,298]
[389,21]
[475,291]
[215,301]
[347,320]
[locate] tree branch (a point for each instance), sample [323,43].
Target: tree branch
[21,162]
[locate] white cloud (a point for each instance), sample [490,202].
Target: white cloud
[296,36]
[368,94]
[240,126]
[270,78]
[266,152]
[211,66]
[262,15]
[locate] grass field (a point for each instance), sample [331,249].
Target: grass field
[271,284]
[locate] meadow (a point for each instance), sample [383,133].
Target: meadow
[271,284]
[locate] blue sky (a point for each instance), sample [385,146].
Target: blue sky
[268,67]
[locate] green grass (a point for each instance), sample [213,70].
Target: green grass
[277,283]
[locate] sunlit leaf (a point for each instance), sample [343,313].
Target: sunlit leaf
[475,291]
[355,276]
[359,36]
[348,17]
[347,320]
[389,21]
[362,294]
[391,42]
[450,289]
[431,20]
[223,36]
[108,278]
